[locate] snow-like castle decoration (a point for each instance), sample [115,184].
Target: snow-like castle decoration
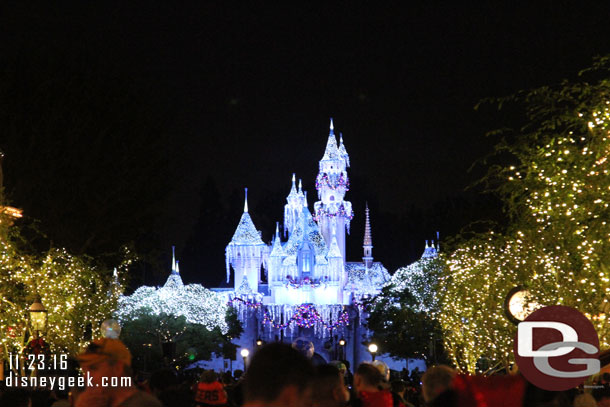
[303,286]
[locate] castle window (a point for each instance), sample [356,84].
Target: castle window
[306,265]
[306,261]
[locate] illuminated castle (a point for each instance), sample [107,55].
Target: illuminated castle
[297,289]
[303,286]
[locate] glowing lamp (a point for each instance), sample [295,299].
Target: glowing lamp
[373,349]
[244,354]
[38,315]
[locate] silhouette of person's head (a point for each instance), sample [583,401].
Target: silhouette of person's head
[278,376]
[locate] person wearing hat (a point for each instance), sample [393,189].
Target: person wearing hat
[106,364]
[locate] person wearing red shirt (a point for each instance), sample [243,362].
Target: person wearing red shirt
[209,391]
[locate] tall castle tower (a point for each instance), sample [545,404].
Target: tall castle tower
[332,213]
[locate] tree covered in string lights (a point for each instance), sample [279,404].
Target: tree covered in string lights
[479,274]
[77,293]
[421,280]
[402,317]
[190,318]
[193,301]
[557,243]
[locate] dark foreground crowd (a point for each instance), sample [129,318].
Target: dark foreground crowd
[280,376]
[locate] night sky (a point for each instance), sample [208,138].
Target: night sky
[143,121]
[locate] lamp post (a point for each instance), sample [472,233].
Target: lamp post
[342,344]
[38,322]
[244,354]
[373,350]
[38,316]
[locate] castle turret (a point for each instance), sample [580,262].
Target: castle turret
[367,244]
[332,213]
[174,281]
[292,209]
[246,252]
[429,251]
[275,258]
[302,196]
[342,150]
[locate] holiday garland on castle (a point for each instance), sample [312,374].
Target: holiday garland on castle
[294,283]
[333,182]
[307,316]
[340,212]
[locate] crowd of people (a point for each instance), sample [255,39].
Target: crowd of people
[280,376]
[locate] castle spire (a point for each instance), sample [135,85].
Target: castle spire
[368,239]
[246,202]
[342,150]
[246,249]
[332,150]
[429,250]
[300,186]
[276,249]
[292,209]
[294,188]
[174,281]
[367,244]
[173,258]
